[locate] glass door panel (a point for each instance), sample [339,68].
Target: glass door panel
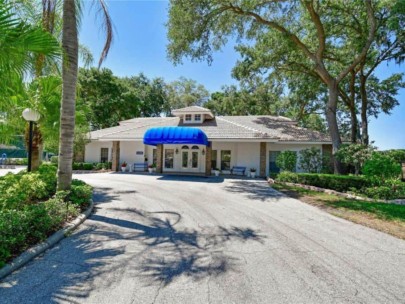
[184,159]
[194,160]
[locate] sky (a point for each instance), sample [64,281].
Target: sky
[139,46]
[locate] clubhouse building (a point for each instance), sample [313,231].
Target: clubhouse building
[194,141]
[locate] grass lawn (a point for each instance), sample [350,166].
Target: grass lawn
[388,218]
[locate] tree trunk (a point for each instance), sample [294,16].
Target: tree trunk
[332,123]
[364,105]
[352,108]
[69,77]
[354,124]
[36,145]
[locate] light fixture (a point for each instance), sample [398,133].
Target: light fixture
[177,151]
[32,117]
[203,152]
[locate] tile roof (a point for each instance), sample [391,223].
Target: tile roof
[258,127]
[192,109]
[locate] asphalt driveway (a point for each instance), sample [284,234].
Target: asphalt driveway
[158,239]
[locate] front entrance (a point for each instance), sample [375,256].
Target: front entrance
[190,158]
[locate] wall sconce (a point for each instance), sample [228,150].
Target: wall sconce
[203,152]
[177,151]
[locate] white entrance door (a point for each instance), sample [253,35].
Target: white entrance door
[190,158]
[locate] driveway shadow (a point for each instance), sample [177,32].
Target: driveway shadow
[191,178]
[154,247]
[171,252]
[253,189]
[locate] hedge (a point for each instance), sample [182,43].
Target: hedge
[390,189]
[92,166]
[341,183]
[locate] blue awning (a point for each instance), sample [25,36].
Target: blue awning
[175,135]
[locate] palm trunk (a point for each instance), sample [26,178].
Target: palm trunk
[364,103]
[69,77]
[332,123]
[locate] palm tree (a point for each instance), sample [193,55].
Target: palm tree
[70,46]
[19,43]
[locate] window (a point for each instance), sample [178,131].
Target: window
[104,155]
[272,161]
[154,156]
[225,160]
[188,117]
[169,155]
[214,159]
[197,117]
[184,147]
[194,147]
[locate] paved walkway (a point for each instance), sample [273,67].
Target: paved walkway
[159,239]
[15,170]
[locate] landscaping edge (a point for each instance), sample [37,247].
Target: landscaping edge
[36,250]
[345,195]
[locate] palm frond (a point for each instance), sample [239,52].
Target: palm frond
[20,41]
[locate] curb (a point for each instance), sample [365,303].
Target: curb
[36,250]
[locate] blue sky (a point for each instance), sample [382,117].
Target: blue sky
[140,46]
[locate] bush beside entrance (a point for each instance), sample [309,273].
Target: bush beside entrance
[31,210]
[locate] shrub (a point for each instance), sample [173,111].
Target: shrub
[382,167]
[59,210]
[77,166]
[48,176]
[80,193]
[21,228]
[20,190]
[287,161]
[54,159]
[288,177]
[311,160]
[340,183]
[379,192]
[24,218]
[99,166]
[87,166]
[398,155]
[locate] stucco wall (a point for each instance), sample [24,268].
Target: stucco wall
[129,150]
[245,154]
[92,152]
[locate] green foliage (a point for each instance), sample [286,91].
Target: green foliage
[398,155]
[184,93]
[287,177]
[355,155]
[30,210]
[19,41]
[80,193]
[311,160]
[21,228]
[382,167]
[341,183]
[287,161]
[54,159]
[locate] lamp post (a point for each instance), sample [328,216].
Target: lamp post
[32,117]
